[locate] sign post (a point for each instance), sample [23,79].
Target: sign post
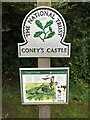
[44,31]
[44,110]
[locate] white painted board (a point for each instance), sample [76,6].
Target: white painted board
[44,32]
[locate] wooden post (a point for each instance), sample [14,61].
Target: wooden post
[44,110]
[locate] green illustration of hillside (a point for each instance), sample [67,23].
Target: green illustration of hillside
[40,91]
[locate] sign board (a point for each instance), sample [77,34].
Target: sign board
[44,31]
[44,85]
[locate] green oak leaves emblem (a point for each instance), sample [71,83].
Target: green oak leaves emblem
[46,34]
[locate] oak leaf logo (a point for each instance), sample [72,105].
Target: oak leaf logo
[50,33]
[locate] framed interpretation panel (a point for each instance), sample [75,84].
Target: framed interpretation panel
[44,85]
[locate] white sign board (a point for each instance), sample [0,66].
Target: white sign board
[44,31]
[44,85]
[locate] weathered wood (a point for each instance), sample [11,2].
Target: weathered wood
[44,110]
[43,3]
[43,62]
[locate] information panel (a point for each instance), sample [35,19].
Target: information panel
[44,85]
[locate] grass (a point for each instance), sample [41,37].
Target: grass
[75,109]
[12,107]
[11,103]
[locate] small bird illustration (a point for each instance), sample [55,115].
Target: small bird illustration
[59,91]
[56,83]
[46,77]
[52,82]
[58,86]
[63,86]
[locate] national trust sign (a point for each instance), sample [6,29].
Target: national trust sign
[43,31]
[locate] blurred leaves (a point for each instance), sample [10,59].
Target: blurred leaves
[78,34]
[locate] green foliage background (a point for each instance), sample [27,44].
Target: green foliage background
[77,17]
[78,34]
